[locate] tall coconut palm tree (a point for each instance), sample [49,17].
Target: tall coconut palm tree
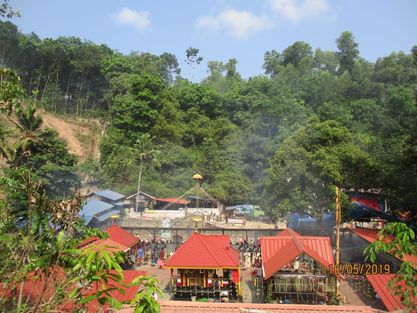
[29,125]
[147,151]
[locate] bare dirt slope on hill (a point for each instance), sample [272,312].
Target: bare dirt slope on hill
[81,136]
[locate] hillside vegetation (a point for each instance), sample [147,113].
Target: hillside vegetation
[314,120]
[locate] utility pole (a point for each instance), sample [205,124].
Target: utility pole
[338,221]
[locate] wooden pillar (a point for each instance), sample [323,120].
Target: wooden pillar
[173,282]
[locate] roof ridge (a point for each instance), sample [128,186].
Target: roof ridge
[208,249]
[300,246]
[228,253]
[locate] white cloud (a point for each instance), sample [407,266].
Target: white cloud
[239,24]
[296,11]
[138,19]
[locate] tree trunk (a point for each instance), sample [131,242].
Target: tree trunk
[66,93]
[139,180]
[19,300]
[46,85]
[79,94]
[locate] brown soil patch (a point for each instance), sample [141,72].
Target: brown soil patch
[71,130]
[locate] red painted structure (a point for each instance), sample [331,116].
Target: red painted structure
[278,251]
[207,266]
[205,251]
[380,284]
[123,237]
[371,235]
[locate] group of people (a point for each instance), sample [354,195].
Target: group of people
[152,252]
[250,253]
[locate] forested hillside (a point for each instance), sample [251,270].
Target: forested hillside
[283,140]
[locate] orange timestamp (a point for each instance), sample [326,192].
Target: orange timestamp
[359,269]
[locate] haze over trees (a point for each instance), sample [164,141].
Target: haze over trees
[314,120]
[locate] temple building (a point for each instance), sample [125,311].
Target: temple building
[206,266]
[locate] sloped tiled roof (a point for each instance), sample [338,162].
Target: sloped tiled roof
[204,307]
[288,232]
[380,284]
[122,236]
[107,244]
[35,282]
[173,200]
[278,251]
[371,235]
[205,251]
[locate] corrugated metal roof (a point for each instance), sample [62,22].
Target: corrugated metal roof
[110,194]
[205,251]
[201,307]
[94,206]
[371,235]
[278,251]
[380,284]
[122,236]
[288,232]
[107,215]
[87,219]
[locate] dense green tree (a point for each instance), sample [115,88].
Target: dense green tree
[348,51]
[295,53]
[311,163]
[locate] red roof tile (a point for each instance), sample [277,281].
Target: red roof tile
[289,232]
[122,236]
[205,251]
[201,307]
[35,282]
[278,251]
[172,200]
[130,291]
[371,235]
[87,241]
[107,244]
[380,284]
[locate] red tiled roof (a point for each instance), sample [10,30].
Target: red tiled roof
[87,241]
[278,251]
[204,307]
[107,244]
[130,291]
[205,251]
[371,235]
[288,232]
[35,282]
[122,236]
[380,284]
[172,200]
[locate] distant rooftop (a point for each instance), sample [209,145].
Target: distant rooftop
[110,194]
[94,206]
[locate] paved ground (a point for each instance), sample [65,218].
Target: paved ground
[355,294]
[163,276]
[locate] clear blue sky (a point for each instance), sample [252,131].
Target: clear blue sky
[223,29]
